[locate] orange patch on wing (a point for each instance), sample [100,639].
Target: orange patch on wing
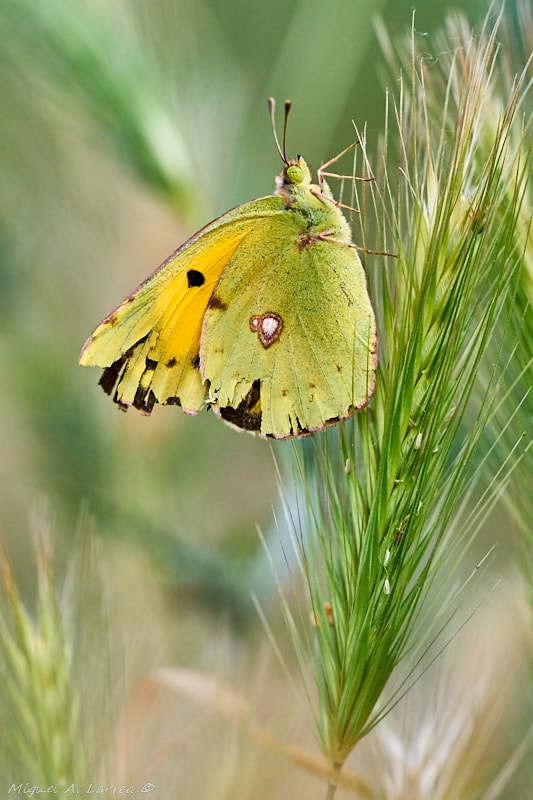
[156,331]
[179,308]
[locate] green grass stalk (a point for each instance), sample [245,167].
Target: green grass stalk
[377,501]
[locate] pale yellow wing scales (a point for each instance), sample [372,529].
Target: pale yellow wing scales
[312,363]
[150,344]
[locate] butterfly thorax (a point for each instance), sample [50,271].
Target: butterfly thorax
[313,204]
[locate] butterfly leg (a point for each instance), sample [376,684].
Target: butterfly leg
[325,236]
[335,202]
[321,171]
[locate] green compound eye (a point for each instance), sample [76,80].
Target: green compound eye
[295,174]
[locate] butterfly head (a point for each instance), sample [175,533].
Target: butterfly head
[295,174]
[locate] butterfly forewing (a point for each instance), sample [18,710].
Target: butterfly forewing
[149,345]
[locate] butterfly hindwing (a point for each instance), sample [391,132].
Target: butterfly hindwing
[289,340]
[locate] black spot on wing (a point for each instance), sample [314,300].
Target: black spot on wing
[247,415]
[217,303]
[171,363]
[144,400]
[111,375]
[195,361]
[195,278]
[144,397]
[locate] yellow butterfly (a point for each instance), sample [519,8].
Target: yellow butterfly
[263,315]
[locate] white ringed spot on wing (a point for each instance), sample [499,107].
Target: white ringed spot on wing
[267,326]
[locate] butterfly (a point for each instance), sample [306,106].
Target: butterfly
[263,316]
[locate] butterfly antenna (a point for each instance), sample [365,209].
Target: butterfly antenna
[272,107]
[288,105]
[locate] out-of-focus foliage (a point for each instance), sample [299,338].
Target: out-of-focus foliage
[125,125]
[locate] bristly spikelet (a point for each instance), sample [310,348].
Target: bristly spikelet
[512,424]
[54,716]
[38,698]
[374,534]
[451,736]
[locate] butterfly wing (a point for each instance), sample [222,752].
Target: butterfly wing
[289,337]
[149,346]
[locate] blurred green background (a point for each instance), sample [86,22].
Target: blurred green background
[126,125]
